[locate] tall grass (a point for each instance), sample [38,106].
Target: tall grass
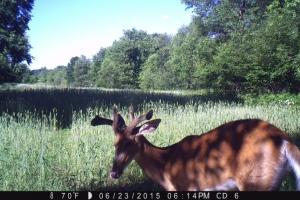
[65,101]
[36,155]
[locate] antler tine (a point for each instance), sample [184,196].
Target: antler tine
[115,110]
[131,112]
[141,118]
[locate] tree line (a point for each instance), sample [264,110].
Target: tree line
[229,46]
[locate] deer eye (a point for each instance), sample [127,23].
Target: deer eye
[122,145]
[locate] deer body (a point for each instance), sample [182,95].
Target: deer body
[240,155]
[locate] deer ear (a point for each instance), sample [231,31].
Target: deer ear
[118,123]
[101,121]
[148,127]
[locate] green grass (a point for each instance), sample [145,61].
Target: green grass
[282,99]
[35,154]
[65,101]
[47,142]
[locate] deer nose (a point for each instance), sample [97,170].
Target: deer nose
[115,175]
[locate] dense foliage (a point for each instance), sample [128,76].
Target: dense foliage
[14,44]
[230,46]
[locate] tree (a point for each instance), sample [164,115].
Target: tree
[14,44]
[96,66]
[81,68]
[275,61]
[221,18]
[123,61]
[156,74]
[191,52]
[230,46]
[254,46]
[183,62]
[70,70]
[228,69]
[57,76]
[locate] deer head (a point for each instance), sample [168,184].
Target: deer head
[127,141]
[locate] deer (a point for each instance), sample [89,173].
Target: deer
[241,155]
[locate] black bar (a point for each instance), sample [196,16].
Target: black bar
[106,195]
[63,195]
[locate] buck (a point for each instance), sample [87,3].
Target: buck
[248,154]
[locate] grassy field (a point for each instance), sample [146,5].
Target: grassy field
[40,151]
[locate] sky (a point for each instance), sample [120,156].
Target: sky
[62,29]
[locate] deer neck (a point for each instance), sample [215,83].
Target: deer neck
[151,159]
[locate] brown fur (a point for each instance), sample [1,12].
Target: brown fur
[239,150]
[247,152]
